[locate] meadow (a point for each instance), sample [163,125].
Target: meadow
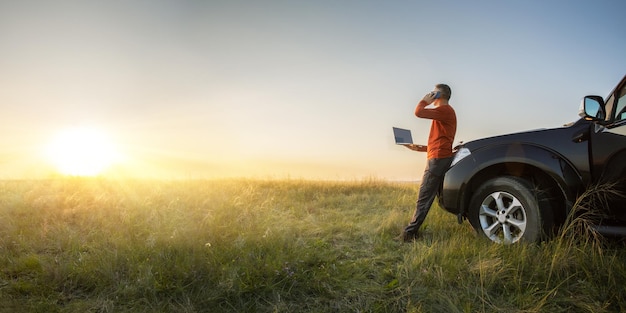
[97,245]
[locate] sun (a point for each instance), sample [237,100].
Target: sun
[82,151]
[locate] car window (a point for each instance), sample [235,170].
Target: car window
[621,105]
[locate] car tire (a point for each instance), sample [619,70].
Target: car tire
[509,209]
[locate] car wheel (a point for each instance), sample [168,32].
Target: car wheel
[509,209]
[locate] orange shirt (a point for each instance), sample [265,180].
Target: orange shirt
[442,129]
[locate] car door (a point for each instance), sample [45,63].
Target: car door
[608,149]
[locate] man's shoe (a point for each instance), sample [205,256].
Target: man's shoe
[406,237]
[410,237]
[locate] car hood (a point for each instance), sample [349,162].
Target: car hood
[546,137]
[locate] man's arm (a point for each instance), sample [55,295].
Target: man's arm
[433,114]
[420,108]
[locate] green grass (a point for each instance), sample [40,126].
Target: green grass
[91,245]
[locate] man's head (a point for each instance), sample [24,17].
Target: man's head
[445,90]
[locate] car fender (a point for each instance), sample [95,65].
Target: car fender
[507,159]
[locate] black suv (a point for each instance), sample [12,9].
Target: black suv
[522,186]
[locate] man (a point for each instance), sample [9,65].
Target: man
[439,152]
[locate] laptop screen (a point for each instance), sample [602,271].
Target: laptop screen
[402,136]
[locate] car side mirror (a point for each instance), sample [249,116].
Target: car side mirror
[592,109]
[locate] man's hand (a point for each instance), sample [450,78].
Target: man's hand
[429,98]
[418,148]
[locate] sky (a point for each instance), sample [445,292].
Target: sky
[290,89]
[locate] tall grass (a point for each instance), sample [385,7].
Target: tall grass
[91,245]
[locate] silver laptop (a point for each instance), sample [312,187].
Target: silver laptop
[403,136]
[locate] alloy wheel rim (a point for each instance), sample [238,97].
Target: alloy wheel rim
[502,217]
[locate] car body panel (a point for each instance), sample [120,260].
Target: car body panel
[516,158]
[608,151]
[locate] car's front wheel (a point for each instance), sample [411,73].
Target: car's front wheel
[509,209]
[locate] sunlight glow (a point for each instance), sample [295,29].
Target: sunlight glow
[82,152]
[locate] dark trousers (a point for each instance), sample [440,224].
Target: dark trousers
[432,179]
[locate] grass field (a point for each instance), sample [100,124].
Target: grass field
[92,245]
